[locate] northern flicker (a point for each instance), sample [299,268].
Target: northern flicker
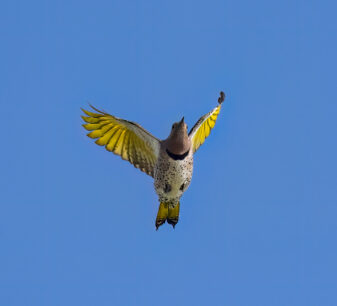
[169,161]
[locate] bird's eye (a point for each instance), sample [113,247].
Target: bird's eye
[173,126]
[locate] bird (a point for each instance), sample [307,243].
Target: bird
[169,162]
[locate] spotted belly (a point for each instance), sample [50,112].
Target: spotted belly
[172,177]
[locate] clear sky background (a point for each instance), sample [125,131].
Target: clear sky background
[258,224]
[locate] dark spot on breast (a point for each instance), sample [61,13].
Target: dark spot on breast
[182,187]
[167,188]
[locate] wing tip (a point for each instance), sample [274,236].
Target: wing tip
[85,125]
[97,110]
[222,97]
[84,111]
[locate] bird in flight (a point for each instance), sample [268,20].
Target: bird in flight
[169,161]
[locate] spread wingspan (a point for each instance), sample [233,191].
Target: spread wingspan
[204,125]
[124,138]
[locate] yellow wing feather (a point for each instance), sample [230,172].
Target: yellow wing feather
[203,127]
[124,138]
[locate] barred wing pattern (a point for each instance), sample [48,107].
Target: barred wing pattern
[203,127]
[124,138]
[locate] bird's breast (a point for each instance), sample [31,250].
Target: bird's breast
[172,176]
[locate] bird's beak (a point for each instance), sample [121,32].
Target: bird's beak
[182,120]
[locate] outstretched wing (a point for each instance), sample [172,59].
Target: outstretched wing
[124,138]
[204,125]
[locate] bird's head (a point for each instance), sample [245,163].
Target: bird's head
[178,141]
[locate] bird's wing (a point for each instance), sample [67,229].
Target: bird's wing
[124,138]
[204,125]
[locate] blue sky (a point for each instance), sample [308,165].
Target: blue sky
[258,223]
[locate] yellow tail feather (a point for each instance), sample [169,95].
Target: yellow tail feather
[162,214]
[173,215]
[167,213]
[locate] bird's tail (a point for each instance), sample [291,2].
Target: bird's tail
[167,213]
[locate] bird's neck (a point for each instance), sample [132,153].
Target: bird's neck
[178,144]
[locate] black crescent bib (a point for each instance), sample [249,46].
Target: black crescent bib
[177,156]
